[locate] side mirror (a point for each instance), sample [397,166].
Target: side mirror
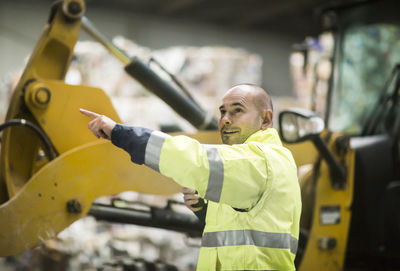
[297,125]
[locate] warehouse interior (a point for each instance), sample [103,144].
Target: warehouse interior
[339,60]
[158,24]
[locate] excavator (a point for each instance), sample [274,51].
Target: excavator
[52,169]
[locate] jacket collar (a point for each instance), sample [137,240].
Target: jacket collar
[268,136]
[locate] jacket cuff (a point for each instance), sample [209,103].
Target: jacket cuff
[133,140]
[201,215]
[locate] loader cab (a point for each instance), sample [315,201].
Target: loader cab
[363,102]
[365,105]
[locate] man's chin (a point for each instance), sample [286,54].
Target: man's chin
[230,140]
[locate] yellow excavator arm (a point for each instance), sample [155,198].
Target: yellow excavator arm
[42,194]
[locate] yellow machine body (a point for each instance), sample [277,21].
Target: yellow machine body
[35,192]
[317,194]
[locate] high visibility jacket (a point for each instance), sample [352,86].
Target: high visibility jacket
[254,201]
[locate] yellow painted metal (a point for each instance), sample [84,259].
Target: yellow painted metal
[49,61]
[61,119]
[33,190]
[307,185]
[38,211]
[304,153]
[316,258]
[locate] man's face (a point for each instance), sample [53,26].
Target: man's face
[240,117]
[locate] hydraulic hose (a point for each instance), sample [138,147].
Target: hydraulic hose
[184,105]
[49,149]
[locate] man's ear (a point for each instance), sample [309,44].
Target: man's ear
[267,116]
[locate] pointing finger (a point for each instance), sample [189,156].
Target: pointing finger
[89,114]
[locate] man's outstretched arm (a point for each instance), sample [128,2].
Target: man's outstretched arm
[132,139]
[219,173]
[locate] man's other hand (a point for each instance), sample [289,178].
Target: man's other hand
[190,198]
[101,126]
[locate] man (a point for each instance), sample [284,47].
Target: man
[250,182]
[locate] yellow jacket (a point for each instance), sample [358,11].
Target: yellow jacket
[258,176]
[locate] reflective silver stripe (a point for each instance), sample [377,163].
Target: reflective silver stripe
[250,237]
[153,150]
[216,177]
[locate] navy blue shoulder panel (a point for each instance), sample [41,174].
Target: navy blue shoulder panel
[131,139]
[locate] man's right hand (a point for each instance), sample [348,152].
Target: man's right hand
[190,198]
[101,126]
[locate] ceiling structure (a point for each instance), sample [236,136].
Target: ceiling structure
[298,18]
[291,17]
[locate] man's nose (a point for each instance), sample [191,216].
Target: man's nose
[226,119]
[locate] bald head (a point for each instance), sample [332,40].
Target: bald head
[245,109]
[260,97]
